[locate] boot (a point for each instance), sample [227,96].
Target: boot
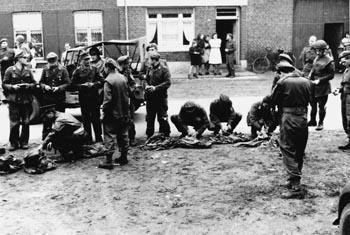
[345,147]
[132,142]
[295,192]
[122,160]
[312,122]
[319,127]
[107,164]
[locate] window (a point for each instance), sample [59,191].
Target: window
[29,24]
[226,13]
[88,27]
[171,31]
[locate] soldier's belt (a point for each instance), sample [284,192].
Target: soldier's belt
[296,110]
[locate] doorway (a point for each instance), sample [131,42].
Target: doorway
[222,28]
[333,34]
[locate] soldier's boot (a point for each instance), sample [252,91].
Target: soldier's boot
[132,142]
[294,192]
[122,160]
[345,147]
[108,164]
[319,126]
[322,115]
[312,122]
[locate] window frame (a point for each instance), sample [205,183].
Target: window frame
[88,29]
[163,45]
[27,30]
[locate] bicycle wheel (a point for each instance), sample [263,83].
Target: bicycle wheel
[261,65]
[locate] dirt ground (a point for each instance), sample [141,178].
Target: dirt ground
[222,190]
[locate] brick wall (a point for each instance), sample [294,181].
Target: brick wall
[269,23]
[205,20]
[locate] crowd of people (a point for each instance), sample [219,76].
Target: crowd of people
[109,84]
[205,54]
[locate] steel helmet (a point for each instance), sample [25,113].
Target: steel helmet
[20,39]
[51,55]
[320,44]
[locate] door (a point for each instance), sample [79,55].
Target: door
[222,28]
[333,33]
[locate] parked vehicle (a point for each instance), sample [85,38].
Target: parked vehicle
[343,219]
[113,48]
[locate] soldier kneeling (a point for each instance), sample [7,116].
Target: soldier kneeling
[221,110]
[261,115]
[191,114]
[66,135]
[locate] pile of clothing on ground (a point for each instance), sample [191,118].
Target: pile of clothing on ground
[160,142]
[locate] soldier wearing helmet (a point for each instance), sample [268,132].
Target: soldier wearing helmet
[22,46]
[322,72]
[308,56]
[345,97]
[292,95]
[283,57]
[54,82]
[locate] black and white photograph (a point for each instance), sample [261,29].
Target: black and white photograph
[175,117]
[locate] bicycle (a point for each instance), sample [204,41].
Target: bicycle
[266,62]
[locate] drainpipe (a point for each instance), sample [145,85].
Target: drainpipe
[127,24]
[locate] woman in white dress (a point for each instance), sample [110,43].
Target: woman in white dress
[215,53]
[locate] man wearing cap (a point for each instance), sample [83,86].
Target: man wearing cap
[221,110]
[322,72]
[191,114]
[156,95]
[230,55]
[124,68]
[18,84]
[87,80]
[22,46]
[65,134]
[292,95]
[115,114]
[261,115]
[308,56]
[345,97]
[282,58]
[54,82]
[7,56]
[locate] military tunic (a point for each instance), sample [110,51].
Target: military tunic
[345,101]
[307,57]
[230,57]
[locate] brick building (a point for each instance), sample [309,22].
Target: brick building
[255,24]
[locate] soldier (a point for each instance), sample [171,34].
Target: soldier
[286,58]
[96,59]
[7,57]
[260,115]
[88,81]
[230,55]
[308,56]
[151,48]
[115,114]
[66,134]
[292,94]
[191,114]
[320,75]
[22,46]
[156,95]
[124,68]
[345,97]
[19,84]
[54,81]
[221,110]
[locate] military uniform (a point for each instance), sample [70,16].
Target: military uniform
[191,114]
[116,110]
[293,94]
[260,116]
[157,101]
[307,57]
[221,110]
[19,101]
[66,134]
[230,57]
[6,60]
[89,98]
[345,101]
[323,70]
